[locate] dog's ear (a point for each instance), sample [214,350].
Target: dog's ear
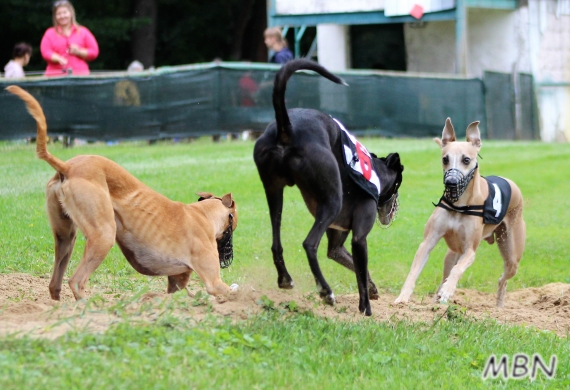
[228,200]
[439,142]
[448,134]
[204,195]
[474,135]
[393,162]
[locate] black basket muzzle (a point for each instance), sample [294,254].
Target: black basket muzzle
[393,213]
[225,246]
[456,182]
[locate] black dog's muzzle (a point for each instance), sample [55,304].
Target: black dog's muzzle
[225,246]
[456,182]
[393,213]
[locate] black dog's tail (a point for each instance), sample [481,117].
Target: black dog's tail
[286,71]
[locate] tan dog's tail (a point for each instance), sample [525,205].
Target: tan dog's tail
[37,113]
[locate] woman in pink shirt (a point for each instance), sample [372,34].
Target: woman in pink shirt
[67,46]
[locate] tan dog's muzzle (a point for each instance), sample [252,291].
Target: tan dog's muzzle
[456,182]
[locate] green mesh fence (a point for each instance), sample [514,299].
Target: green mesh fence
[217,98]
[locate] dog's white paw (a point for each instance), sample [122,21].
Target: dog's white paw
[234,287]
[401,299]
[444,296]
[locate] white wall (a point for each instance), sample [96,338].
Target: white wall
[497,41]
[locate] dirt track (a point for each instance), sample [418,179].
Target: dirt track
[25,307]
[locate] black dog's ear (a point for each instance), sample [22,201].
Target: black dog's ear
[393,162]
[373,155]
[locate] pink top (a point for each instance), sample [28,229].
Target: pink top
[55,42]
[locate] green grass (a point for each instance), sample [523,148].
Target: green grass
[297,351]
[272,351]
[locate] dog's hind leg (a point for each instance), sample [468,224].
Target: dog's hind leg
[338,253]
[64,233]
[90,207]
[178,282]
[449,262]
[511,245]
[324,217]
[275,201]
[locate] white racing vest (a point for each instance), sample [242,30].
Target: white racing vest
[359,163]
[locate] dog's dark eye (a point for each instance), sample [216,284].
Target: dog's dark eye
[466,160]
[445,160]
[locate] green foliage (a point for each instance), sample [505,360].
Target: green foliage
[182,29]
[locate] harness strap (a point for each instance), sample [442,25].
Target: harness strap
[467,210]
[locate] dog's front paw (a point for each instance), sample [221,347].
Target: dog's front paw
[401,299]
[444,296]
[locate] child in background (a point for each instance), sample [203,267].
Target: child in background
[21,57]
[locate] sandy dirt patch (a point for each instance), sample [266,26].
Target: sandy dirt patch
[26,308]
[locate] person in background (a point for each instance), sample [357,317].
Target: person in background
[15,68]
[67,46]
[274,41]
[135,66]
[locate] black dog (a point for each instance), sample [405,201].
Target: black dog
[303,147]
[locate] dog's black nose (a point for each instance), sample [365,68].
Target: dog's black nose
[451,181]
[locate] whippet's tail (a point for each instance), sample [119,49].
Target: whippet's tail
[37,113]
[280,85]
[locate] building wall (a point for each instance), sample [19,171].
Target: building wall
[533,39]
[430,47]
[550,53]
[497,41]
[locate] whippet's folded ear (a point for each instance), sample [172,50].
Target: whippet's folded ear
[448,134]
[474,135]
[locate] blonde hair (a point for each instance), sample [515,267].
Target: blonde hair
[274,32]
[63,3]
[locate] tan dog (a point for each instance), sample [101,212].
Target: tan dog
[460,221]
[157,235]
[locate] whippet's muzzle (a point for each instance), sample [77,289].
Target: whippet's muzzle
[225,246]
[456,182]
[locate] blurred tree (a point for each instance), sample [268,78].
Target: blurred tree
[144,37]
[185,31]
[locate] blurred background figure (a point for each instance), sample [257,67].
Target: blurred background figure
[67,46]
[20,58]
[135,66]
[274,41]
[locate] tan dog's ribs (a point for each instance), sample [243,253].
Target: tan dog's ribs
[103,200]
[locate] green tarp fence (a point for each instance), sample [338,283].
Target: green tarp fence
[219,98]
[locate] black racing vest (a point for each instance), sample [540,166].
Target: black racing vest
[495,207]
[359,163]
[497,203]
